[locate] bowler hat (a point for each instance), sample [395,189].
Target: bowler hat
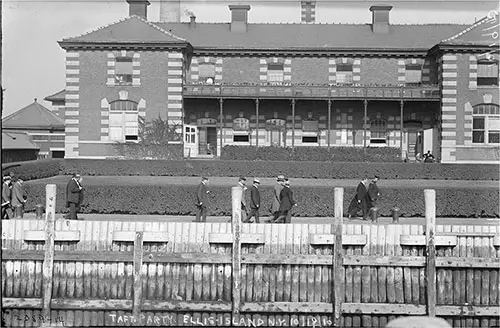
[255,180]
[280,178]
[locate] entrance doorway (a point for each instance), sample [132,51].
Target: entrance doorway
[414,139]
[208,141]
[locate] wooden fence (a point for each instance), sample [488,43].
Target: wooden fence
[108,273]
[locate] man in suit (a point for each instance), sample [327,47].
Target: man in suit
[359,200]
[286,203]
[19,198]
[275,207]
[244,212]
[6,197]
[202,200]
[74,196]
[254,201]
[373,193]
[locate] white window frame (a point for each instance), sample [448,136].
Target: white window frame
[118,77]
[411,78]
[344,75]
[206,78]
[495,74]
[373,140]
[275,74]
[129,121]
[490,112]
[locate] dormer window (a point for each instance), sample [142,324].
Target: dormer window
[207,73]
[487,73]
[275,73]
[413,73]
[344,73]
[123,71]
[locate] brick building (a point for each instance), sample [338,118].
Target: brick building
[42,127]
[418,87]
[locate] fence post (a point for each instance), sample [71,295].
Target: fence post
[48,261]
[338,258]
[430,225]
[338,202]
[138,254]
[236,194]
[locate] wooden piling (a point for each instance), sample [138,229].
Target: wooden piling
[48,262]
[338,202]
[338,260]
[236,194]
[138,254]
[430,225]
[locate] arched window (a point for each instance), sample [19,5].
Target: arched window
[123,121]
[486,124]
[378,131]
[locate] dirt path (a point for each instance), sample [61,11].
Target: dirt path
[232,181]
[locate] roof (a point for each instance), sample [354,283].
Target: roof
[17,140]
[480,33]
[33,116]
[134,29]
[58,96]
[320,36]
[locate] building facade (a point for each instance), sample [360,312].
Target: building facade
[42,126]
[416,87]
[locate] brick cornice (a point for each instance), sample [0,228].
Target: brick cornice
[68,45]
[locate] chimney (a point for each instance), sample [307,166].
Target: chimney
[308,11]
[380,19]
[192,21]
[170,11]
[138,8]
[239,18]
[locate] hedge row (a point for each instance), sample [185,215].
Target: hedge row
[312,201]
[32,170]
[319,170]
[319,154]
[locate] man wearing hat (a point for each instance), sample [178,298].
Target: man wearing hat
[74,196]
[373,193]
[6,198]
[242,184]
[19,198]
[275,208]
[287,203]
[202,200]
[254,201]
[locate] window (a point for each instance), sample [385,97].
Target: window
[344,73]
[378,131]
[275,73]
[123,121]
[123,71]
[486,124]
[190,135]
[241,138]
[241,124]
[310,139]
[413,74]
[487,73]
[207,73]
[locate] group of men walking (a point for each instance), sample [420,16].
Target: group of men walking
[13,197]
[365,198]
[281,207]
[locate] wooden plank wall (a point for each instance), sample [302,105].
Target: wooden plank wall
[285,281]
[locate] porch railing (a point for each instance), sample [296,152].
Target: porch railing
[418,92]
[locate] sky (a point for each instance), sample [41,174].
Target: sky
[34,64]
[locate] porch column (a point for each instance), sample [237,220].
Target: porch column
[329,121]
[221,120]
[401,107]
[365,121]
[293,123]
[257,121]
